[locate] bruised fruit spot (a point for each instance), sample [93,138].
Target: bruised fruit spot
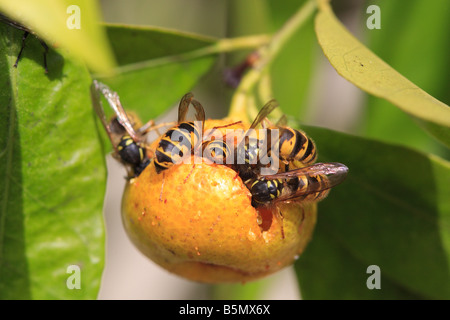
[265,217]
[246,244]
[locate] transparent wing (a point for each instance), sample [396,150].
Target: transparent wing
[337,172]
[264,112]
[184,106]
[282,122]
[114,102]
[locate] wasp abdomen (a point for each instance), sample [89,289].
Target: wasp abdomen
[295,145]
[176,144]
[216,151]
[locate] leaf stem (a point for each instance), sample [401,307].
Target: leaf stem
[268,53]
[221,46]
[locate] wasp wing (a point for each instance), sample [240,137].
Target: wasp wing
[282,122]
[311,182]
[98,107]
[264,112]
[114,102]
[200,113]
[334,170]
[184,106]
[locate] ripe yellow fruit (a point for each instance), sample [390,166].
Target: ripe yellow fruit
[197,221]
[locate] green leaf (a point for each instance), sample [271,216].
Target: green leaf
[52,176]
[243,291]
[401,26]
[50,19]
[292,69]
[392,211]
[156,69]
[356,63]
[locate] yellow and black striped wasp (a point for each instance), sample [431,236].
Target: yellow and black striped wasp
[27,32]
[184,139]
[293,147]
[255,149]
[245,156]
[125,131]
[303,185]
[298,180]
[260,148]
[307,184]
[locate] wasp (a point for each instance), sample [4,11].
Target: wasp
[303,185]
[244,158]
[308,184]
[125,130]
[182,140]
[216,151]
[296,147]
[256,146]
[27,32]
[293,146]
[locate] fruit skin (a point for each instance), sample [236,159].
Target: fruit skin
[196,220]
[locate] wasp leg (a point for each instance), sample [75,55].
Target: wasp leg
[44,45]
[150,126]
[146,127]
[24,38]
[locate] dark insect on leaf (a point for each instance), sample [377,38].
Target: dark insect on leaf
[27,32]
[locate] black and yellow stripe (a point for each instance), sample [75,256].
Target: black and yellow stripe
[176,144]
[305,188]
[216,151]
[295,145]
[313,185]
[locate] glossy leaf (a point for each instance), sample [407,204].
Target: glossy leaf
[52,176]
[424,63]
[164,76]
[55,21]
[393,211]
[356,63]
